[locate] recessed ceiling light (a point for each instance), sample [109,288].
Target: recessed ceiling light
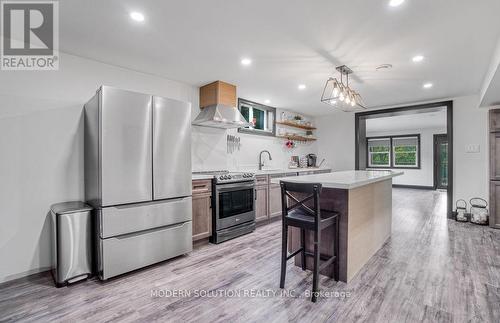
[267,101]
[396,3]
[302,86]
[137,16]
[428,85]
[246,61]
[417,59]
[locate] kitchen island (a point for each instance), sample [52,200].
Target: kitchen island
[363,200]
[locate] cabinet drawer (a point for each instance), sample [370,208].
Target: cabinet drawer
[120,220]
[281,175]
[126,253]
[261,180]
[202,186]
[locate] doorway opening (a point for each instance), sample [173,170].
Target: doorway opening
[417,140]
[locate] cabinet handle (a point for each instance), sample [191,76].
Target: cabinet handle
[255,193]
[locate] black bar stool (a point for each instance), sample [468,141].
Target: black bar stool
[302,216]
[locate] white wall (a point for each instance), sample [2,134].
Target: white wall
[336,133]
[336,140]
[425,175]
[470,127]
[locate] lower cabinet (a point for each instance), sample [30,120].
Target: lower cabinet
[261,203]
[274,200]
[495,204]
[202,211]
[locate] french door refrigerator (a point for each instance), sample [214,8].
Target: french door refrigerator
[138,178]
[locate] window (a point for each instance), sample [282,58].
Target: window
[379,152]
[394,152]
[405,152]
[261,118]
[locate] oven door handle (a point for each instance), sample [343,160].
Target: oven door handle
[234,187]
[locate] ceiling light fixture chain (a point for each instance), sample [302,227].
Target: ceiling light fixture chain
[341,95]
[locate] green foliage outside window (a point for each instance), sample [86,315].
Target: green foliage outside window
[405,155]
[393,152]
[380,159]
[379,155]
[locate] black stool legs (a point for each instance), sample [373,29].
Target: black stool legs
[303,246]
[284,254]
[317,239]
[305,217]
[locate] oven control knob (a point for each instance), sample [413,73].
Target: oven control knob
[221,177]
[228,176]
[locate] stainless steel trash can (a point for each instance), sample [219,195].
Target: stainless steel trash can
[72,244]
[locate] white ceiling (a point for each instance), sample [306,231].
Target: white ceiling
[293,42]
[490,92]
[416,121]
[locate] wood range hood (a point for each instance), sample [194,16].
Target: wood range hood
[218,107]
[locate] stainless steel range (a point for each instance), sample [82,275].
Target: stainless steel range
[233,202]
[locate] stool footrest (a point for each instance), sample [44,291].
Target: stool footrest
[328,260]
[293,254]
[321,256]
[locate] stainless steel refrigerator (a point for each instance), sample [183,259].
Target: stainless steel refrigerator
[138,178]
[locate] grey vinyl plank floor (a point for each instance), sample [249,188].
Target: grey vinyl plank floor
[431,270]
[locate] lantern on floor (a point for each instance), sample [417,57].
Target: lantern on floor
[478,211]
[461,211]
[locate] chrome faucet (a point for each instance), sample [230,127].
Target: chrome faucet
[260,158]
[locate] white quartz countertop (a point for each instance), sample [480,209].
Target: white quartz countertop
[266,172]
[343,180]
[288,170]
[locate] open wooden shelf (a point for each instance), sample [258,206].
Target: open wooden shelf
[298,138]
[295,125]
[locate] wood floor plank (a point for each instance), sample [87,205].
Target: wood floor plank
[431,270]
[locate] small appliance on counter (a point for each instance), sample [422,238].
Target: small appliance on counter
[311,160]
[72,235]
[303,162]
[294,162]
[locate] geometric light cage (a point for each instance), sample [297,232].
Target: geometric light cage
[339,95]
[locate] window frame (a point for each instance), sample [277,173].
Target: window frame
[368,159]
[262,107]
[391,152]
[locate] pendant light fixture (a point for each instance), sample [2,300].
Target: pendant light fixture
[340,95]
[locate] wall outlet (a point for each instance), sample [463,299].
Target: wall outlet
[474,149]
